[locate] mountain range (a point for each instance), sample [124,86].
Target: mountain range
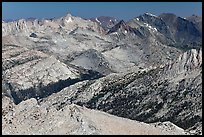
[147,69]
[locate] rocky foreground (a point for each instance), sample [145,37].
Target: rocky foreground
[32,119]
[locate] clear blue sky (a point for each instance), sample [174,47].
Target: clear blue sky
[120,10]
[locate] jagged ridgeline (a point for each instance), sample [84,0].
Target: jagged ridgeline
[147,69]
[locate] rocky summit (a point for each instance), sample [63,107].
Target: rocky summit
[102,75]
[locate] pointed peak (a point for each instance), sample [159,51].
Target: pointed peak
[122,22]
[68,18]
[68,14]
[120,27]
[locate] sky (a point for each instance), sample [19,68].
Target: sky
[120,10]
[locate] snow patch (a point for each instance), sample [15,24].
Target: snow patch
[150,27]
[147,25]
[98,20]
[155,29]
[115,33]
[69,20]
[151,14]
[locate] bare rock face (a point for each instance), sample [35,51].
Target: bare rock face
[189,62]
[38,76]
[72,119]
[31,73]
[14,55]
[94,60]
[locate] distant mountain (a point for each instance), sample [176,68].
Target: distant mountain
[105,21]
[194,18]
[65,23]
[121,27]
[148,26]
[197,20]
[31,19]
[8,20]
[169,29]
[12,20]
[182,30]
